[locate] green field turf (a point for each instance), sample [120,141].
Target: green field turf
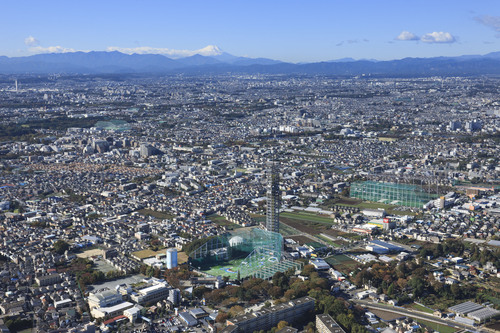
[225,270]
[308,217]
[339,260]
[230,269]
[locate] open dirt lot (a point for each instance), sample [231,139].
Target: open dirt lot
[89,253]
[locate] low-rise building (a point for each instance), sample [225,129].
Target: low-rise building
[326,324]
[47,280]
[111,311]
[154,293]
[104,299]
[266,318]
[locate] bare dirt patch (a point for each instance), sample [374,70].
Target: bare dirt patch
[387,316]
[90,253]
[303,226]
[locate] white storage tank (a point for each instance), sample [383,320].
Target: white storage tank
[171,258]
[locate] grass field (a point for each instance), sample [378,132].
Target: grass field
[231,267]
[420,308]
[342,263]
[222,221]
[154,213]
[492,299]
[339,259]
[309,217]
[437,327]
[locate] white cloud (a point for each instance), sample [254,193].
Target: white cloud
[31,41]
[438,37]
[489,21]
[406,35]
[50,49]
[210,50]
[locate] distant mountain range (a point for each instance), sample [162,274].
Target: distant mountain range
[100,62]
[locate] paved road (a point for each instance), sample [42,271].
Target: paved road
[413,314]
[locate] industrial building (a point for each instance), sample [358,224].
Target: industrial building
[474,311]
[381,247]
[188,319]
[319,264]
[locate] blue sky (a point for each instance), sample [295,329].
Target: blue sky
[296,31]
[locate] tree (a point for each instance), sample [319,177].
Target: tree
[455,290]
[290,294]
[390,290]
[221,317]
[275,292]
[60,246]
[98,276]
[308,270]
[236,311]
[282,324]
[200,291]
[310,327]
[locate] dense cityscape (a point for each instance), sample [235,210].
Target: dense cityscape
[249,202]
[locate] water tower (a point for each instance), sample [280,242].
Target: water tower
[171,258]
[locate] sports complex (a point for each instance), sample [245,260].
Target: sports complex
[249,251]
[391,193]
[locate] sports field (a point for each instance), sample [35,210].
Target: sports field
[342,263]
[231,267]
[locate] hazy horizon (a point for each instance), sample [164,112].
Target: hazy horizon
[290,31]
